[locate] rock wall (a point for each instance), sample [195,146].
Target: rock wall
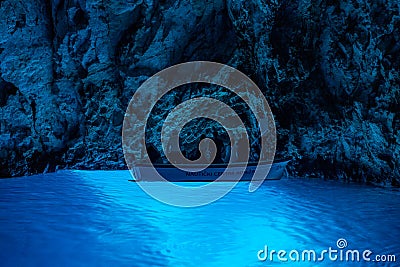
[329,69]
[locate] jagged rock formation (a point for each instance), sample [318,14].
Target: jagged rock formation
[330,71]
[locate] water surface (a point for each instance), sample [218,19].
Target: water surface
[101,219]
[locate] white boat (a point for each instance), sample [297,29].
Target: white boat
[211,173]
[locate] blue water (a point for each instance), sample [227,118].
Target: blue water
[100,219]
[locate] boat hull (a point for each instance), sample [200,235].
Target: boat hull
[212,173]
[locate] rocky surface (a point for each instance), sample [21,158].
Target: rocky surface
[329,69]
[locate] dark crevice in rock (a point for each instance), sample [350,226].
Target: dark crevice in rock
[49,14]
[6,89]
[33,109]
[80,19]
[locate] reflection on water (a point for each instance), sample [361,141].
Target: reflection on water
[98,218]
